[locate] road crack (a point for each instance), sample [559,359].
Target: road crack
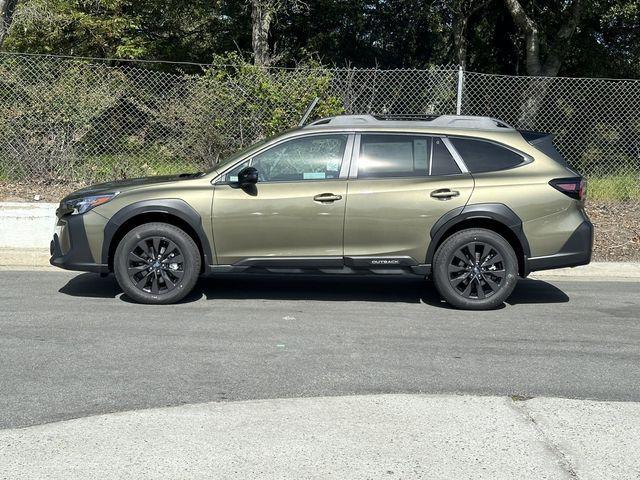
[518,404]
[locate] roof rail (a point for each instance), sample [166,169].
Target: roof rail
[449,121]
[410,117]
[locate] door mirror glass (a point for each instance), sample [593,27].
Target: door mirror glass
[248,176]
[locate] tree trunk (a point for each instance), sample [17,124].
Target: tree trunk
[551,66]
[534,95]
[261,18]
[463,10]
[7,7]
[460,40]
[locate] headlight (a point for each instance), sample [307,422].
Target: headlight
[81,205]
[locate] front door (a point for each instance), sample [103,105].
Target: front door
[296,212]
[400,186]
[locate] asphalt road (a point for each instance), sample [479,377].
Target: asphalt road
[71,346]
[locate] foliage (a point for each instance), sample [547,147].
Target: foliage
[236,103]
[622,187]
[363,33]
[119,28]
[88,121]
[45,117]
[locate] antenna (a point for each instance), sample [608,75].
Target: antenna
[308,111]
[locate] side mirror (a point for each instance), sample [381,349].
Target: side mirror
[248,176]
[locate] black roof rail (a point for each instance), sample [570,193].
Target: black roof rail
[406,117]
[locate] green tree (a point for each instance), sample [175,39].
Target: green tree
[548,37]
[7,9]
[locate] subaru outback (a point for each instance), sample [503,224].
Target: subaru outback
[469,202]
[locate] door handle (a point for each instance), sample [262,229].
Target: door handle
[327,197]
[445,194]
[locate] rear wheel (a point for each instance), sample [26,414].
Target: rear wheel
[157,263]
[475,269]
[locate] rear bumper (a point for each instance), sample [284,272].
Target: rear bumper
[576,251]
[78,256]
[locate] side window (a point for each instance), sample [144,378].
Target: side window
[442,163]
[481,156]
[388,156]
[317,157]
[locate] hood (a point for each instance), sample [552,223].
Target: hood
[120,185]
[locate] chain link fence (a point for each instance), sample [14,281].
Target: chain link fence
[81,120]
[596,122]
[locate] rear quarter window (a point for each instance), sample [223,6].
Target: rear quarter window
[482,156]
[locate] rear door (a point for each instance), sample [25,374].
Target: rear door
[399,186]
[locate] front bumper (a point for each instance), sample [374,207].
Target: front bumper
[576,251]
[76,253]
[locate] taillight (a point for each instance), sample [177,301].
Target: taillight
[574,187]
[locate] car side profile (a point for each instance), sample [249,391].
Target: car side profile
[469,202]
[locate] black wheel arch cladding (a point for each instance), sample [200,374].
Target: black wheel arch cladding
[496,212]
[171,206]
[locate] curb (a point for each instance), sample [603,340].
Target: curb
[26,225]
[594,271]
[24,257]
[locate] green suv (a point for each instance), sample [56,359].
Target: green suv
[469,202]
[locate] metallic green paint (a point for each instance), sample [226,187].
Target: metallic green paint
[373,217]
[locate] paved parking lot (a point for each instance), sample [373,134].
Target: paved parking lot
[71,346]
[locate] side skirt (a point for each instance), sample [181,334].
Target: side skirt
[402,266]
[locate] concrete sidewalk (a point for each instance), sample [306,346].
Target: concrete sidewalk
[380,436]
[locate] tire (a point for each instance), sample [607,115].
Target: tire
[482,284]
[144,277]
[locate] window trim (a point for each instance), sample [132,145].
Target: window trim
[355,158]
[344,167]
[527,158]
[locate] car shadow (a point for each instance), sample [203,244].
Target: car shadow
[318,288]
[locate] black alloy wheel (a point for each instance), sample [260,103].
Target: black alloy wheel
[155,265]
[476,270]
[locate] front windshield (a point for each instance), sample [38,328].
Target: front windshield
[241,153]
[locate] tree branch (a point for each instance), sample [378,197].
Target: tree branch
[554,57]
[520,17]
[7,7]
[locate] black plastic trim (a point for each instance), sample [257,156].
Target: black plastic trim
[357,265]
[576,251]
[79,256]
[492,211]
[171,206]
[291,262]
[417,270]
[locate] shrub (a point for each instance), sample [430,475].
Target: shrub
[75,120]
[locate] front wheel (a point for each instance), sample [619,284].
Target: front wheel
[157,263]
[475,269]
